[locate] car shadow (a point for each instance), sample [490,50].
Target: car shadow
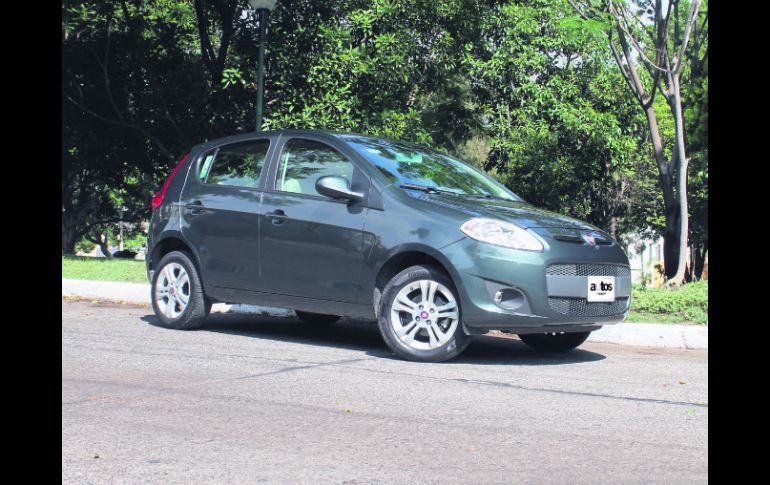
[363,335]
[499,350]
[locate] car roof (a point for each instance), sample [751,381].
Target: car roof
[292,131]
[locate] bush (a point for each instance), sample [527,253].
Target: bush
[134,242]
[688,303]
[84,245]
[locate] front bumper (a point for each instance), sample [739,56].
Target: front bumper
[537,298]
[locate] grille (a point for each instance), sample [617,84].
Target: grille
[589,269]
[579,307]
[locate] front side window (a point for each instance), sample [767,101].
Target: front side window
[305,161]
[239,164]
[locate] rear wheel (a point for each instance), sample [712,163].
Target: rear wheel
[419,316]
[554,341]
[177,293]
[316,318]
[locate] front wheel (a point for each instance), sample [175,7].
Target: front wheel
[419,316]
[554,341]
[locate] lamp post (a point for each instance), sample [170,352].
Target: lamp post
[120,245]
[263,8]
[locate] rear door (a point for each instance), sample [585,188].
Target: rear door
[220,212]
[311,245]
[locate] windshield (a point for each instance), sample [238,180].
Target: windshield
[410,165]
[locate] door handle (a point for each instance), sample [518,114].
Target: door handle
[277,216]
[195,207]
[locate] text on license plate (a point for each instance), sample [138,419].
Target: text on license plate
[601,288]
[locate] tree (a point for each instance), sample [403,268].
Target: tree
[131,92]
[564,133]
[654,36]
[362,66]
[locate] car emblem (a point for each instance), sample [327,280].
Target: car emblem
[589,238]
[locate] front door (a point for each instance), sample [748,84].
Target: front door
[311,245]
[220,213]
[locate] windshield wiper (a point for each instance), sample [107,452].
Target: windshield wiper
[425,188]
[480,196]
[435,190]
[486,196]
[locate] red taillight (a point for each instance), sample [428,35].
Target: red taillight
[157,199]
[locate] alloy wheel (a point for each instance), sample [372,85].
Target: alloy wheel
[172,290]
[424,315]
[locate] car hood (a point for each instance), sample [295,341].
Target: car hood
[521,213]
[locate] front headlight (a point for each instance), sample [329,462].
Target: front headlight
[501,234]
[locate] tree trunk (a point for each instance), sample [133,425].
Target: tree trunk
[676,108]
[671,242]
[68,240]
[671,233]
[69,234]
[103,242]
[614,227]
[700,259]
[105,247]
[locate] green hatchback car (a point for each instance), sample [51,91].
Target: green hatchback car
[337,224]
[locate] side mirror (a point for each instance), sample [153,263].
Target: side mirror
[336,188]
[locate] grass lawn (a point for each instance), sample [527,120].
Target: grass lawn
[644,317]
[103,269]
[687,304]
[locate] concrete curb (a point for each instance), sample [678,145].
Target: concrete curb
[654,335]
[138,293]
[637,334]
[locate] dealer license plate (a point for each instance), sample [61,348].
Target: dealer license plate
[601,288]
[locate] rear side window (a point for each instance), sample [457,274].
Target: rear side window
[305,161]
[239,164]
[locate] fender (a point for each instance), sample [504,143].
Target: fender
[369,286]
[173,234]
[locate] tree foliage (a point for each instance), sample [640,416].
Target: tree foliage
[565,133]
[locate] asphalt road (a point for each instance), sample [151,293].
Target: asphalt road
[272,400]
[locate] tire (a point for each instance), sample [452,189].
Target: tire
[316,318]
[169,282]
[405,308]
[550,342]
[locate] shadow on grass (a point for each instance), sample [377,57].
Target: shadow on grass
[364,336]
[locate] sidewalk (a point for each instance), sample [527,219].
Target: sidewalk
[638,334]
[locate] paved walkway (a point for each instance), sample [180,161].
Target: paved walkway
[639,334]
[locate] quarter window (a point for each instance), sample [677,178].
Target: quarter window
[239,164]
[305,161]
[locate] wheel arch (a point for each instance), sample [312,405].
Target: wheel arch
[410,255]
[172,241]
